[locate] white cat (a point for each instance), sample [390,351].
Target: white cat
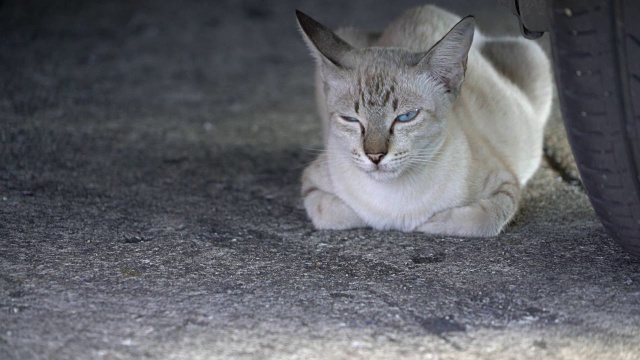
[425,128]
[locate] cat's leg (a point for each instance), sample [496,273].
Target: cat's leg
[485,218]
[326,210]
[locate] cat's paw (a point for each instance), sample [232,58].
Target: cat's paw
[328,212]
[465,221]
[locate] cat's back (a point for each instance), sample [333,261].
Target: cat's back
[418,29]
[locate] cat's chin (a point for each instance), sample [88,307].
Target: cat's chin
[383,175]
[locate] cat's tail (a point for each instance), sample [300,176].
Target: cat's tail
[526,65]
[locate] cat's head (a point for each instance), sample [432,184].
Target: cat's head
[387,106]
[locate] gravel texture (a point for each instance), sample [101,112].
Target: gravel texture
[150,155]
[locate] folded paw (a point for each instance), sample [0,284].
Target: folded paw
[476,220]
[327,211]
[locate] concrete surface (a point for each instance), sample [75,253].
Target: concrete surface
[150,155]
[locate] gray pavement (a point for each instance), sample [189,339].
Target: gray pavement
[150,155]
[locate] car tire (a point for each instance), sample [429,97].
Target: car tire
[596,50]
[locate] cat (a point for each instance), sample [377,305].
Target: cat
[429,126]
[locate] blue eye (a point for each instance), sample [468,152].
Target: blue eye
[349,118]
[408,116]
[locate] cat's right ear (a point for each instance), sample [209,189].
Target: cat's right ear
[447,59]
[327,47]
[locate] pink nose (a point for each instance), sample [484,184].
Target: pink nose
[376,158]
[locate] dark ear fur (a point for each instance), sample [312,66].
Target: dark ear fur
[325,45]
[447,59]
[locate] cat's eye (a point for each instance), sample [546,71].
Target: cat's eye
[349,118]
[408,116]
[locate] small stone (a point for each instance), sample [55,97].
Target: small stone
[133,239]
[540,344]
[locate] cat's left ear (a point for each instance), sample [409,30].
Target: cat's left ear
[325,45]
[447,59]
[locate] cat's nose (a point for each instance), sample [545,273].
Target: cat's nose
[376,158]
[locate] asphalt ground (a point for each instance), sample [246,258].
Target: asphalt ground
[150,156]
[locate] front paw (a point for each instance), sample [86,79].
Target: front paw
[466,221]
[328,212]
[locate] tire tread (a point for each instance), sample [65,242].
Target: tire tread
[599,78]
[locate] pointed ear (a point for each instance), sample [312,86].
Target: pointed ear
[447,59]
[325,45]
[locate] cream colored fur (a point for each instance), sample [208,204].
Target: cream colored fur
[458,167]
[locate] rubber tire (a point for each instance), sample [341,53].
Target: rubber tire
[596,50]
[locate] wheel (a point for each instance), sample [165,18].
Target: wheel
[596,51]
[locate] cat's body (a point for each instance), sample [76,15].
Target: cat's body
[472,139]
